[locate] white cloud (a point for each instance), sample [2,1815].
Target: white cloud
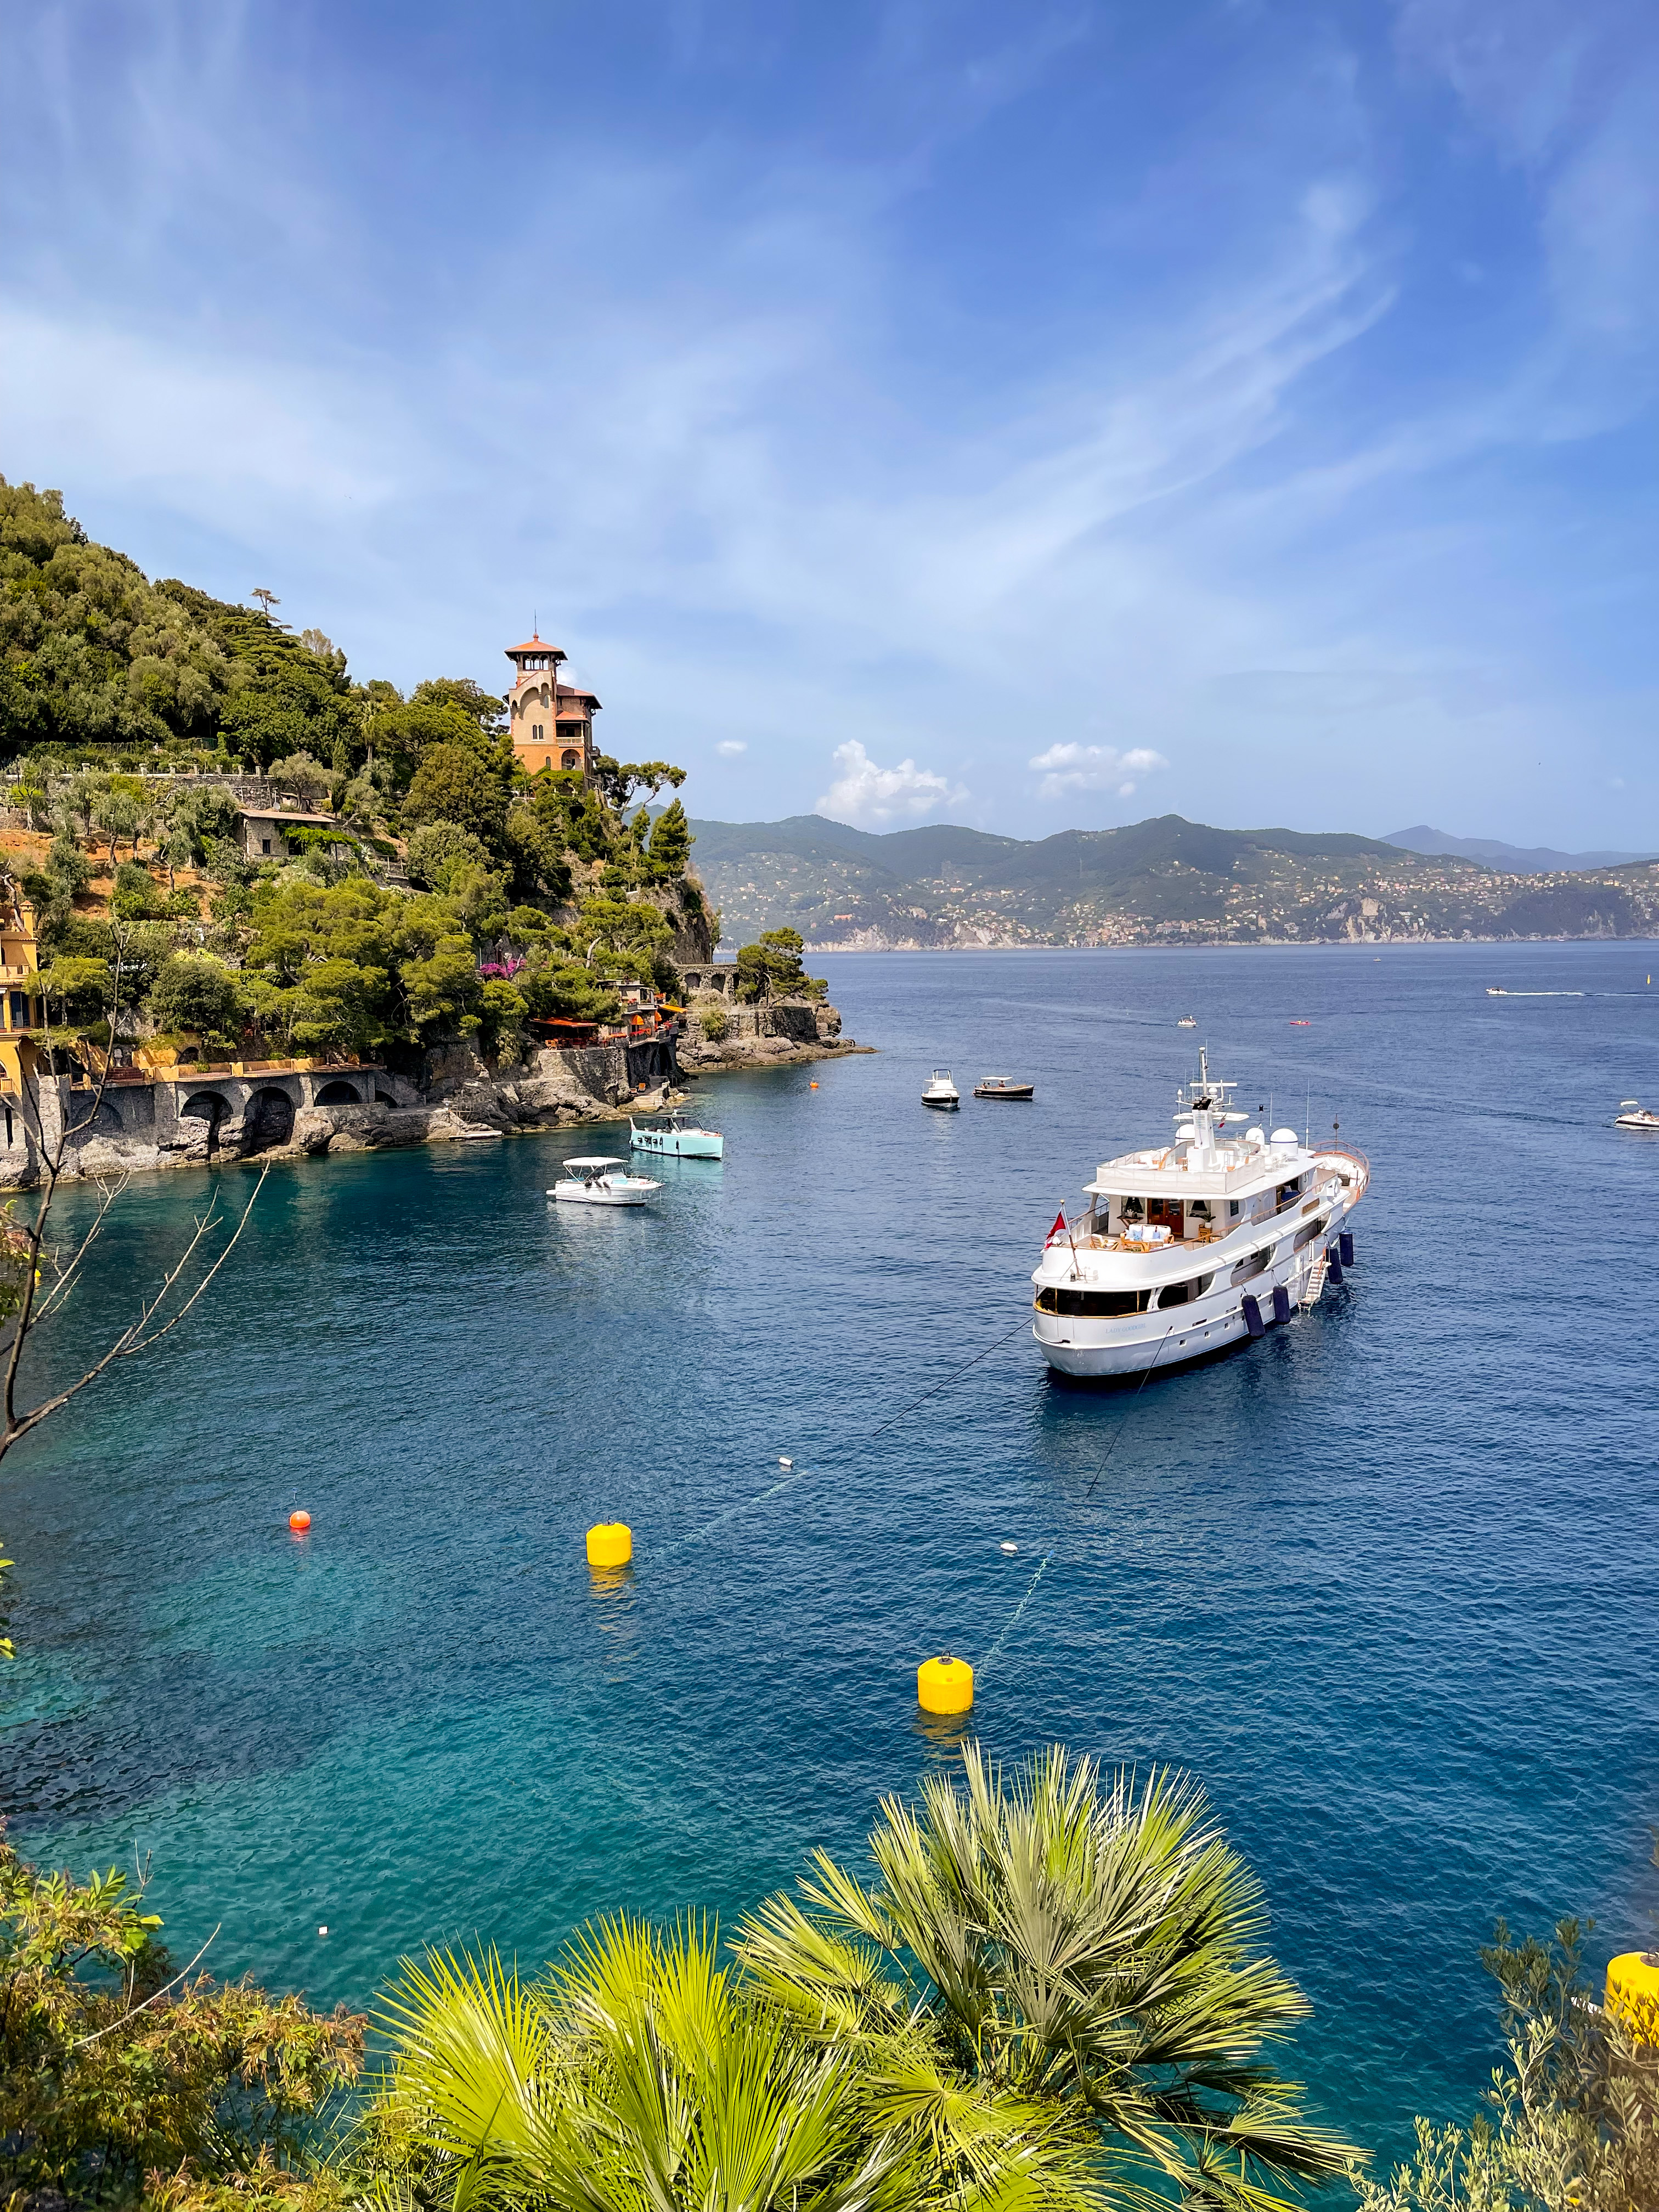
[729,748]
[1069,768]
[863,792]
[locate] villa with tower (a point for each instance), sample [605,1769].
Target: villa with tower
[552,723]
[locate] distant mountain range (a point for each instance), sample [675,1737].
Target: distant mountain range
[1511,859]
[1161,882]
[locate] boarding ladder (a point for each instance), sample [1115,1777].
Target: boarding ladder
[1314,1287]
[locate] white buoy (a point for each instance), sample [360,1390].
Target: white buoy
[786,1462]
[322,1931]
[1010,1547]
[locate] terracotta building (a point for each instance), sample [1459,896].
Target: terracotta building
[552,722]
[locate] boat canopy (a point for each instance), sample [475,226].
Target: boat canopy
[595,1160]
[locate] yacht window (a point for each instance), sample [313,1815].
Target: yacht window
[1092,1304]
[1287,1191]
[1232,1209]
[1179,1294]
[1305,1236]
[1251,1265]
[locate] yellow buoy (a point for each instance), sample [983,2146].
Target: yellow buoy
[945,1685]
[1633,1992]
[609,1544]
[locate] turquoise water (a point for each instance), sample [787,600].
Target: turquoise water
[1385,1580]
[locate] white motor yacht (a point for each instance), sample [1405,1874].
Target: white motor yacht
[675,1137]
[592,1182]
[941,1091]
[1190,1247]
[1632,1115]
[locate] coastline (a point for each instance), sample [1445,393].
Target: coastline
[149,1128]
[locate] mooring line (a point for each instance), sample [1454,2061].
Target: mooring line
[1008,1626]
[801,1474]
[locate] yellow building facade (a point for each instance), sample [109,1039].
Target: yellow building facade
[20,994]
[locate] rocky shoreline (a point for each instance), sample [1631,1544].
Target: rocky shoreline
[197,1121]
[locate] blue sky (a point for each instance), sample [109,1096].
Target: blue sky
[1030,415]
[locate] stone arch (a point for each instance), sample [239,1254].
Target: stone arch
[337,1093]
[206,1106]
[384,1098]
[268,1120]
[105,1123]
[547,696]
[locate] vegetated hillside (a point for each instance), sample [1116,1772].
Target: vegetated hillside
[1162,881]
[436,892]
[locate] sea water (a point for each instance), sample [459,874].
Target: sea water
[1384,1581]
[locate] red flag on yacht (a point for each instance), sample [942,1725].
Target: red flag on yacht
[1058,1229]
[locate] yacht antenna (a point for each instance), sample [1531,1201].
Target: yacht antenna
[1307,1121]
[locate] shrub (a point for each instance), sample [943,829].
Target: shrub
[713,1022]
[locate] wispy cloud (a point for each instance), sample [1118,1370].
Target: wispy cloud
[729,748]
[1070,769]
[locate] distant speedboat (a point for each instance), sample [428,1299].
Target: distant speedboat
[591,1182]
[1003,1086]
[941,1091]
[1188,1022]
[1632,1115]
[675,1137]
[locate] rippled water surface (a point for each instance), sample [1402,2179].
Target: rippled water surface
[1385,1580]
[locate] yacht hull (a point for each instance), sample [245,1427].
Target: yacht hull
[1101,1350]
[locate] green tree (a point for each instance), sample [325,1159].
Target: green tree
[485,710]
[196,993]
[618,780]
[565,991]
[502,1013]
[536,857]
[437,850]
[76,990]
[670,844]
[451,783]
[771,968]
[1090,1946]
[304,779]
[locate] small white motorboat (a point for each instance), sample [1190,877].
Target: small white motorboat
[941,1091]
[1003,1086]
[1632,1115]
[592,1181]
[675,1137]
[1188,1022]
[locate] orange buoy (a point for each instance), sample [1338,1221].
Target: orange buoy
[298,1522]
[813,1086]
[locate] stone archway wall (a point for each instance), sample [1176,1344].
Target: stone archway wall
[267,1120]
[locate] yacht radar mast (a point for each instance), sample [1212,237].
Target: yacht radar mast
[1204,1103]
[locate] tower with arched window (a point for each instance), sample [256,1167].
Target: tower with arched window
[552,722]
